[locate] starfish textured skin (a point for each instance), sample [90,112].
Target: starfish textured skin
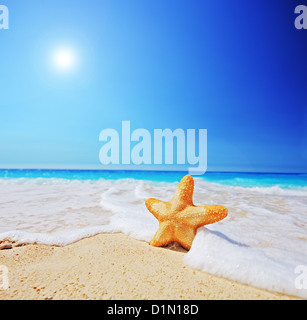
[179,218]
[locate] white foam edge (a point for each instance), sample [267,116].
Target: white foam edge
[56,239]
[213,254]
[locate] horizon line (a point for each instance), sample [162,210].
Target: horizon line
[143,169]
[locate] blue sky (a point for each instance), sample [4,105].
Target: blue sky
[235,68]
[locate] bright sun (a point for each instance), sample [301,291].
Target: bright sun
[64,59]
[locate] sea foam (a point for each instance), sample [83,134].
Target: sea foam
[261,242]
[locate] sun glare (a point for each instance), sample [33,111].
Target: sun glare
[64,59]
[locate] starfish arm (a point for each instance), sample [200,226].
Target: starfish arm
[215,213]
[157,207]
[203,215]
[163,236]
[185,236]
[184,193]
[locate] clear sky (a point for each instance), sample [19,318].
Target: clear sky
[236,68]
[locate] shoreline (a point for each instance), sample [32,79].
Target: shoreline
[114,267]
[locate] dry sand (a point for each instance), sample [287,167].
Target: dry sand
[113,266]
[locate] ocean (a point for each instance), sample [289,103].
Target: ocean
[262,242]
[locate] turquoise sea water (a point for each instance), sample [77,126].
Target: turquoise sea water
[281,180]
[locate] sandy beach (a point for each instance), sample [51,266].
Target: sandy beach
[113,266]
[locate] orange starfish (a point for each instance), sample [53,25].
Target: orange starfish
[179,219]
